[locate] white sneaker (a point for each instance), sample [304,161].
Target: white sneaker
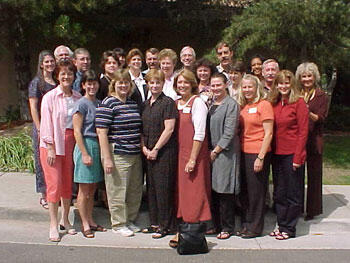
[124,231]
[133,227]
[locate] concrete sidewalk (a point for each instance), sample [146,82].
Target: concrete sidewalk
[23,220]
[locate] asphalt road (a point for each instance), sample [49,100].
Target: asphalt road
[27,253]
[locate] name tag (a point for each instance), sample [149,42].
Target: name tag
[253,110]
[186,110]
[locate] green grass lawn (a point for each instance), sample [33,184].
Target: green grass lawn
[336,159]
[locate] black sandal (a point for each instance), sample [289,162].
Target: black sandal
[160,233]
[150,230]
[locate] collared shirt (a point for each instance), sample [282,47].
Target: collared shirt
[291,129]
[77,81]
[222,70]
[139,82]
[168,88]
[53,123]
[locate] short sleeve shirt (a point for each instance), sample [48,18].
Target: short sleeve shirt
[34,90]
[251,118]
[123,122]
[87,109]
[153,117]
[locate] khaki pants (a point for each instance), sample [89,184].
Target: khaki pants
[124,189]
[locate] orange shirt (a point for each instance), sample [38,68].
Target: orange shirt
[251,124]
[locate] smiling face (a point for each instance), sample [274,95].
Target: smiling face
[218,87]
[256,65]
[48,64]
[183,87]
[235,77]
[65,77]
[62,53]
[270,71]
[122,88]
[307,80]
[167,66]
[91,87]
[224,55]
[135,62]
[187,57]
[284,87]
[155,86]
[203,73]
[249,89]
[152,60]
[111,66]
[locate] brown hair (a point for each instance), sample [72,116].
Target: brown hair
[120,74]
[190,77]
[155,74]
[64,64]
[133,52]
[167,52]
[106,55]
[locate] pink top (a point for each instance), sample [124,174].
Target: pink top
[54,119]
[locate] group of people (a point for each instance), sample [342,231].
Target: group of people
[205,136]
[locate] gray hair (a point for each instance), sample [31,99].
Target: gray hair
[190,48]
[70,52]
[308,67]
[268,61]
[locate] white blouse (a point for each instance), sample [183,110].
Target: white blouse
[199,117]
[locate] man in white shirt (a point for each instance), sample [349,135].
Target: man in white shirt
[225,56]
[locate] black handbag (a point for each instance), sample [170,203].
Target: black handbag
[192,239]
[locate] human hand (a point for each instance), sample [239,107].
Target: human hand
[152,155]
[295,166]
[145,151]
[86,159]
[258,165]
[51,156]
[213,156]
[108,166]
[189,168]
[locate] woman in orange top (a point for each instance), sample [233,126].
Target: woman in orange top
[256,122]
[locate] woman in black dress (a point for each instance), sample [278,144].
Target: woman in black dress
[159,147]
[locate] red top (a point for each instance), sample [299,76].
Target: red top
[291,129]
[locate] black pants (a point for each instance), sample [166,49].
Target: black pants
[253,192]
[224,211]
[289,192]
[314,184]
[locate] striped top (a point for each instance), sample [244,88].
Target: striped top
[124,123]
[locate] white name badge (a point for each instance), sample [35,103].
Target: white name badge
[253,110]
[186,110]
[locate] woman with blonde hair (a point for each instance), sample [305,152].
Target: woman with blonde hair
[308,78]
[256,122]
[118,125]
[160,149]
[289,153]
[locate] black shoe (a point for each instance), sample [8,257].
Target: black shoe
[308,218]
[249,234]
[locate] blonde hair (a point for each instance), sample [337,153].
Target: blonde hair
[190,77]
[119,75]
[260,94]
[308,67]
[294,94]
[167,52]
[155,74]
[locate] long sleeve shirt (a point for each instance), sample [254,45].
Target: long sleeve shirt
[291,129]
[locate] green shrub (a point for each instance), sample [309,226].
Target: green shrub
[16,153]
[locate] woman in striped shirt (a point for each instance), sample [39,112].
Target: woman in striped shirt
[118,125]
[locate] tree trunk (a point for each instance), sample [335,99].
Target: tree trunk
[22,67]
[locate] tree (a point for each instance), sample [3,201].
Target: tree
[294,31]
